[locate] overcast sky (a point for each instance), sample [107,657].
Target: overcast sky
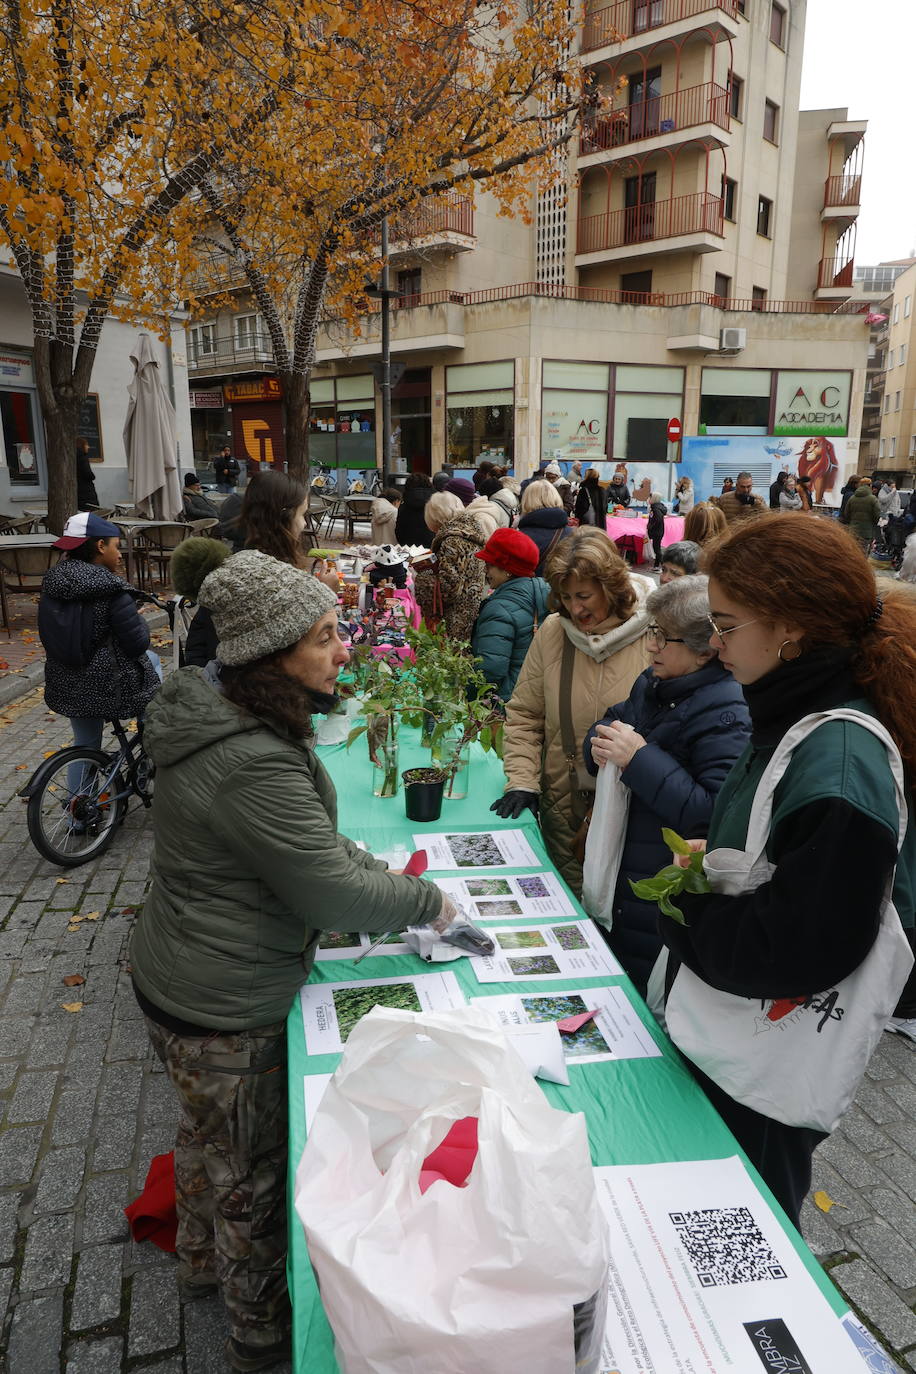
[862,56]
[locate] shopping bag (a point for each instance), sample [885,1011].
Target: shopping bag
[797,1060]
[604,846]
[508,1272]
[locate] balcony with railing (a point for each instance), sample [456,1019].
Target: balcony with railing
[842,197]
[665,117]
[211,356]
[834,278]
[446,222]
[627,21]
[695,221]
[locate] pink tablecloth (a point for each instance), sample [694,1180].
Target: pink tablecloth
[633,526]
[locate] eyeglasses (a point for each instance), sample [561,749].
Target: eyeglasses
[720,634]
[661,639]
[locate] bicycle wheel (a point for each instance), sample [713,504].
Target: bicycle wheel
[75,805]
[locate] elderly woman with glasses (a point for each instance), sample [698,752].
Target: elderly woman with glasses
[675,738]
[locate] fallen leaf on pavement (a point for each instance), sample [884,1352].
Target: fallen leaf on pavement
[72,1006]
[61,880]
[49,753]
[824,1201]
[73,980]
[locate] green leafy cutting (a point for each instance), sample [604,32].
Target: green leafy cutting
[671,880]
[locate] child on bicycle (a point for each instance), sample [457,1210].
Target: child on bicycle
[96,643]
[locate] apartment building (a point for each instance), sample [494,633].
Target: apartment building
[693,262]
[897,387]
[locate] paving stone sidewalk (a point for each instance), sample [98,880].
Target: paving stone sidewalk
[84,1106]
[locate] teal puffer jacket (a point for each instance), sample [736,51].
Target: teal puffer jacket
[505,628]
[248,865]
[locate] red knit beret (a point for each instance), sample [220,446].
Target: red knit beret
[512,551]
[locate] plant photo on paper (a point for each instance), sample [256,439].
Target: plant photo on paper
[535,965]
[337,939]
[475,851]
[586,1041]
[488,887]
[521,939]
[351,1004]
[533,887]
[570,937]
[485,910]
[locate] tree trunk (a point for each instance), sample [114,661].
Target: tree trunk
[61,425]
[296,409]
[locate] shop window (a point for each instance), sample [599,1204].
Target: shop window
[19,442]
[645,398]
[735,96]
[735,400]
[777,25]
[722,287]
[764,211]
[758,297]
[729,194]
[770,121]
[480,413]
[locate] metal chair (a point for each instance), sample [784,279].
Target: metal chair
[154,545]
[22,570]
[204,528]
[356,510]
[16,525]
[334,509]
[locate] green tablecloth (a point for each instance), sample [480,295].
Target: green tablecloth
[640,1111]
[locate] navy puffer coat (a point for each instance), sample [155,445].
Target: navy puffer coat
[119,680]
[543,526]
[695,727]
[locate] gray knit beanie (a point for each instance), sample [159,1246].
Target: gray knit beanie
[260,605]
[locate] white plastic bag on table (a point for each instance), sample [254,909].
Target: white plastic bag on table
[604,846]
[508,1273]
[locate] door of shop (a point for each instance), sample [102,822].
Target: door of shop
[412,421]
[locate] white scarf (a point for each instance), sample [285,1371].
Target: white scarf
[607,641]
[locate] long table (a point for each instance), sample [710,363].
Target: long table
[641,1111]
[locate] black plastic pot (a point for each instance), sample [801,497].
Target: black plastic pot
[423,788]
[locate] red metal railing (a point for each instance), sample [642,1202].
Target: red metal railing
[706,104]
[602,295]
[453,214]
[627,18]
[663,219]
[842,190]
[834,272]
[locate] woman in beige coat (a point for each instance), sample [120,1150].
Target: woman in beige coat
[597,644]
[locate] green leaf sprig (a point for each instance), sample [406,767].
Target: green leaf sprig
[671,880]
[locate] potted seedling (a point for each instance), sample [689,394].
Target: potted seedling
[387,694]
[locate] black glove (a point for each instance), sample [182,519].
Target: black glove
[511,804]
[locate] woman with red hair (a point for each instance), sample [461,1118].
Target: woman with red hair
[817,460]
[816,903]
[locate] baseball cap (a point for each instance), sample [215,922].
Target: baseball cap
[84,525]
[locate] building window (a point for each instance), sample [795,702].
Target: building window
[881,449]
[735,96]
[764,207]
[410,285]
[887,402]
[892,446]
[890,358]
[902,354]
[758,297]
[777,25]
[248,332]
[729,194]
[203,340]
[722,288]
[897,401]
[770,121]
[906,308]
[896,312]
[635,286]
[913,445]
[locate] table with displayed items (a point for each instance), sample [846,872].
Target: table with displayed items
[640,1112]
[629,532]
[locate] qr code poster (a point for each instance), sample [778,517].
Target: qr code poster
[704,1277]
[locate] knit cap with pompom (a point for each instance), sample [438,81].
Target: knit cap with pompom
[192,560]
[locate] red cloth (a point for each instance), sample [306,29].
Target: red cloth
[453,1159]
[152,1215]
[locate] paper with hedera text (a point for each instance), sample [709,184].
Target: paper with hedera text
[529,897]
[616,1032]
[331,1010]
[478,849]
[570,949]
[703,1277]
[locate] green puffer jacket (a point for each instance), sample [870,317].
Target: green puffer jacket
[247,865]
[505,627]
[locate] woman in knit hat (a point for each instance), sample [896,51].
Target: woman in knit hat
[248,867]
[517,604]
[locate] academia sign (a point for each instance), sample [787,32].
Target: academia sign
[812,403]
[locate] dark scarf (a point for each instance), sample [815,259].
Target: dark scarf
[323,703]
[818,680]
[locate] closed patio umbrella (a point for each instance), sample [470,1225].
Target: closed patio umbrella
[150,439]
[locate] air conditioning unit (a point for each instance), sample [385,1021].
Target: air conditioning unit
[732,340]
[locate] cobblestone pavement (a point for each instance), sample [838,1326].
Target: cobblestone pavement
[84,1106]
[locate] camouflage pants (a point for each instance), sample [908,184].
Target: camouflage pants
[230,1169]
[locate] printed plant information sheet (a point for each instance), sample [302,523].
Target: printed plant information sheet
[498,899]
[703,1277]
[615,1033]
[331,1010]
[571,950]
[478,849]
[343,944]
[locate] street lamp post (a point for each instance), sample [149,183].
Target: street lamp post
[383,293]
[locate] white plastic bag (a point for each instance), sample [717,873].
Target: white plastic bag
[604,845]
[483,1279]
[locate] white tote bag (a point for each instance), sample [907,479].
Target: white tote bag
[798,1061]
[604,846]
[491,1277]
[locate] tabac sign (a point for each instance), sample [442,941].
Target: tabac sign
[812,403]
